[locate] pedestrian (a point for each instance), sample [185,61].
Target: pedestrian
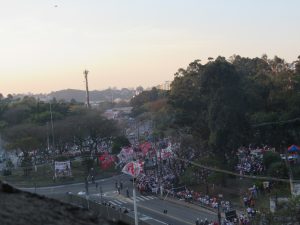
[127,193]
[119,190]
[121,185]
[116,184]
[86,186]
[206,222]
[197,222]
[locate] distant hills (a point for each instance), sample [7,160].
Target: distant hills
[79,95]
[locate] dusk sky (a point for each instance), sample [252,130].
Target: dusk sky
[126,43]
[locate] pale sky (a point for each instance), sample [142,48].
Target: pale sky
[126,43]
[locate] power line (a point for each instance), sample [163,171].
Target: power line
[236,174]
[275,123]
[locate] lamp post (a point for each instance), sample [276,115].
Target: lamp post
[133,170]
[136,221]
[219,213]
[52,127]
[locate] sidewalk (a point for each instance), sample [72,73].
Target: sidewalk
[200,207]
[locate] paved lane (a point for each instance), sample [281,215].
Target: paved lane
[150,208]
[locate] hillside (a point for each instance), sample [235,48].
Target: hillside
[97,96]
[80,96]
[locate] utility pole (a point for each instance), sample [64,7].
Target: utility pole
[52,127]
[86,72]
[136,220]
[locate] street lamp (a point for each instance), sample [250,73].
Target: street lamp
[219,213]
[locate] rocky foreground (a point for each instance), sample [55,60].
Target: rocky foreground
[23,208]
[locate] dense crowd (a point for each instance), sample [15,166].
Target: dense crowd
[251,160]
[162,177]
[150,182]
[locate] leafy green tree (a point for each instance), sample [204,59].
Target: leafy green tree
[278,169]
[118,143]
[209,100]
[269,158]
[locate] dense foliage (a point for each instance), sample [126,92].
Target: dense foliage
[28,125]
[224,104]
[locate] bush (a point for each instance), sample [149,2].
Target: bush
[296,172]
[118,143]
[278,170]
[88,163]
[270,158]
[6,172]
[61,158]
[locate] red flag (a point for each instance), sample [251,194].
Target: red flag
[132,169]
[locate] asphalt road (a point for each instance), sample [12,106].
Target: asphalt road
[150,208]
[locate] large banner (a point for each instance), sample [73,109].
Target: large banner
[125,155]
[145,147]
[132,168]
[106,160]
[62,169]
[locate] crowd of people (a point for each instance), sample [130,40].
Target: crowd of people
[161,177]
[251,160]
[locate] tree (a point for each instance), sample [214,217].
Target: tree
[269,158]
[26,138]
[210,101]
[287,212]
[297,66]
[119,142]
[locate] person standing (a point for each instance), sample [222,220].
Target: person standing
[197,222]
[86,183]
[206,222]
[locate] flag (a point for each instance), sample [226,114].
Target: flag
[132,168]
[145,147]
[106,160]
[125,155]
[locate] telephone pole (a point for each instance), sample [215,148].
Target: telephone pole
[86,72]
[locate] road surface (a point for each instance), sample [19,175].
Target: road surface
[150,208]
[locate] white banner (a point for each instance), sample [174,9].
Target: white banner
[125,155]
[132,168]
[62,169]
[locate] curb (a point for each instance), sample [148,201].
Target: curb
[191,205]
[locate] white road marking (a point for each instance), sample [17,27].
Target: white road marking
[151,197]
[136,199]
[139,198]
[145,218]
[118,202]
[122,201]
[112,203]
[158,221]
[144,197]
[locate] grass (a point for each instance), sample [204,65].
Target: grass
[45,173]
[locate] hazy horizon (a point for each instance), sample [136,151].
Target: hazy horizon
[128,43]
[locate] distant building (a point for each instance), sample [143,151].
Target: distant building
[115,113]
[165,86]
